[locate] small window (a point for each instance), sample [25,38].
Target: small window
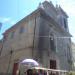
[69,57]
[65,24]
[12,34]
[53,64]
[22,29]
[5,37]
[52,45]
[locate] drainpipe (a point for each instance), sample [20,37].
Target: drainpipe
[34,39]
[1,47]
[9,62]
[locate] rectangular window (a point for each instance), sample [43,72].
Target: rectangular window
[52,44]
[65,25]
[69,57]
[12,34]
[5,37]
[22,29]
[52,64]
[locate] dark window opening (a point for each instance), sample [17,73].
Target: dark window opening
[65,24]
[52,64]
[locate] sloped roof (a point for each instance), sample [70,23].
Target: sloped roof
[38,12]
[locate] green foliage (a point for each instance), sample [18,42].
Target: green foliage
[71,73]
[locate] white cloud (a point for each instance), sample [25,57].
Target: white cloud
[4,19]
[46,0]
[12,22]
[7,20]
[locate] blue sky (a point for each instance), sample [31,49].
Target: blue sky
[12,11]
